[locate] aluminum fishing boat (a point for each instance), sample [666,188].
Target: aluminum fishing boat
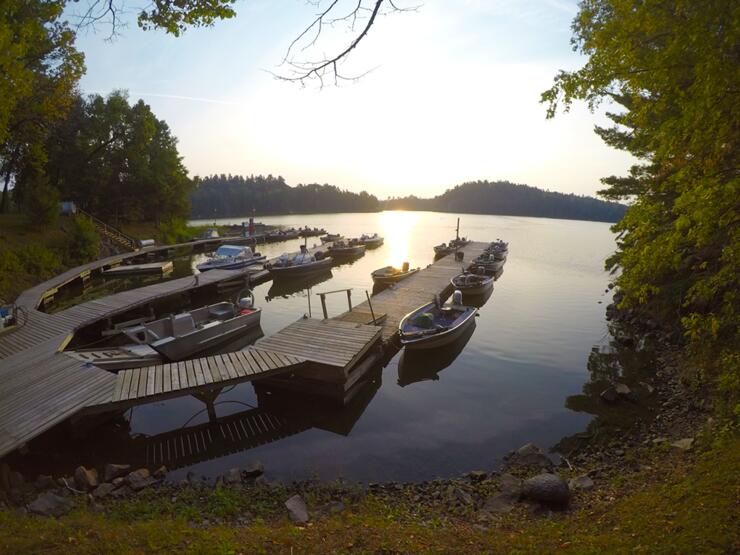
[389,274]
[470,283]
[371,241]
[435,325]
[301,264]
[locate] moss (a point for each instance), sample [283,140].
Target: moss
[680,505]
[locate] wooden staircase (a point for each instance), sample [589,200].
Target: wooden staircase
[111,234]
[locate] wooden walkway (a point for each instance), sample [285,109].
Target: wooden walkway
[414,291]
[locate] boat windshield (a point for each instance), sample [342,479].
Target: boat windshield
[233,250]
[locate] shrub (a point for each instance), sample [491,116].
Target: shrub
[84,242]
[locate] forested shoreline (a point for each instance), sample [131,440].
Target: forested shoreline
[224,196]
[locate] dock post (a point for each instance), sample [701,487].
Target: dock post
[349,299]
[323,305]
[370,304]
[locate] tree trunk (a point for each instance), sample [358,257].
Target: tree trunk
[4,201]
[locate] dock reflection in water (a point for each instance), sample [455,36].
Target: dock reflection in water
[284,288]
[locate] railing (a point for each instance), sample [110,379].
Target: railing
[111,232]
[323,295]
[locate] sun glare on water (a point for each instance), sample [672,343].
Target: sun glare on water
[397,229]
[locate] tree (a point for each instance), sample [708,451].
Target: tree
[671,68]
[39,69]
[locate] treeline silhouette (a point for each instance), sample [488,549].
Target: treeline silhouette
[224,196]
[504,198]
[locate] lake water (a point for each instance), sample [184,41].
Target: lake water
[508,386]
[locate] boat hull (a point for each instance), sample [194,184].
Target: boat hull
[394,278]
[236,265]
[436,340]
[285,272]
[187,345]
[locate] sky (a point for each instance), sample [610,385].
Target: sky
[452,95]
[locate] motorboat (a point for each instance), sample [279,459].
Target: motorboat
[281,235]
[330,237]
[308,232]
[231,257]
[448,248]
[389,274]
[180,336]
[371,241]
[301,264]
[498,248]
[434,325]
[470,283]
[346,248]
[417,365]
[486,263]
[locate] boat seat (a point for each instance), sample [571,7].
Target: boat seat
[221,312]
[182,324]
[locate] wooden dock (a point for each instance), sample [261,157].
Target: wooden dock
[149,268]
[410,293]
[40,386]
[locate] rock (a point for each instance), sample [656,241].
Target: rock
[160,473]
[583,482]
[462,497]
[609,395]
[118,482]
[122,492]
[529,455]
[139,479]
[649,388]
[477,476]
[659,440]
[44,482]
[50,504]
[113,471]
[233,476]
[622,389]
[548,489]
[103,490]
[504,501]
[684,444]
[511,485]
[297,510]
[86,479]
[254,469]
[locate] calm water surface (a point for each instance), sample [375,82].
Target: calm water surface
[509,384]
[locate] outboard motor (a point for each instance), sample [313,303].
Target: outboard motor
[459,255]
[246,304]
[457,297]
[304,250]
[319,255]
[405,267]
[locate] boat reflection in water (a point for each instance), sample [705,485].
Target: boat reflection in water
[420,365]
[286,287]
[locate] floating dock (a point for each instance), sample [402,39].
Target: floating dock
[41,386]
[155,268]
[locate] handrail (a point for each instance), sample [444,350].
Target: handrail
[323,299]
[107,229]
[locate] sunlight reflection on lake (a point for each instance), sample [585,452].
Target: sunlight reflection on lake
[397,229]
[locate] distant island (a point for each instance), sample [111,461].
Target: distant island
[226,196]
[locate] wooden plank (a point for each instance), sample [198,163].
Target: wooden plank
[230,368]
[117,390]
[199,378]
[135,378]
[183,373]
[151,374]
[239,362]
[192,380]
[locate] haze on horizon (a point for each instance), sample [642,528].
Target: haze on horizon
[453,96]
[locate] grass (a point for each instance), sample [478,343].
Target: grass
[682,504]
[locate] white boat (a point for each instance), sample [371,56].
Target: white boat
[435,325]
[470,283]
[389,274]
[180,336]
[301,264]
[371,241]
[231,257]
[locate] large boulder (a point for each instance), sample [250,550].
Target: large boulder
[529,456]
[113,471]
[86,478]
[297,510]
[233,476]
[103,490]
[50,504]
[139,479]
[548,489]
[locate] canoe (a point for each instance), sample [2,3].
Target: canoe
[389,274]
[470,283]
[431,326]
